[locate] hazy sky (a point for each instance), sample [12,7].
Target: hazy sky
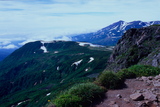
[47,19]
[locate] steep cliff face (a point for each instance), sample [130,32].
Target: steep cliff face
[137,46]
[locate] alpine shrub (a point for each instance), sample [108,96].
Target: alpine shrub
[68,100]
[125,74]
[109,80]
[80,95]
[144,70]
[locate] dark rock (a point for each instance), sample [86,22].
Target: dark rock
[144,105]
[150,77]
[157,37]
[137,46]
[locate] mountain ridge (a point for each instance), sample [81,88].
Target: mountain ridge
[38,68]
[112,33]
[137,46]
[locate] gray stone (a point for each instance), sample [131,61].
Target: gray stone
[155,62]
[112,103]
[139,79]
[147,83]
[157,77]
[150,77]
[144,78]
[148,95]
[137,97]
[126,100]
[115,105]
[156,83]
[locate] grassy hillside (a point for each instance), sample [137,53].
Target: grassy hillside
[38,71]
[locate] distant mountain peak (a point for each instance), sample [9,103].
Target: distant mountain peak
[111,34]
[120,21]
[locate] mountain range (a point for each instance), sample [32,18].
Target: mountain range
[109,35]
[37,72]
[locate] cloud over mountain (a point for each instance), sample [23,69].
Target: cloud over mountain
[49,19]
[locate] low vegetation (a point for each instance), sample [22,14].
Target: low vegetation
[138,71]
[83,94]
[68,100]
[80,95]
[109,80]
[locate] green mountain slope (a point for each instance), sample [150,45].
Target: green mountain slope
[39,70]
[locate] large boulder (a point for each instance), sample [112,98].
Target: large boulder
[148,95]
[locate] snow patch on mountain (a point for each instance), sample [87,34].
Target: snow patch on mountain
[48,94]
[21,102]
[124,25]
[43,47]
[114,28]
[91,59]
[77,63]
[86,69]
[58,68]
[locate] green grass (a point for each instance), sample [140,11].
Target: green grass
[143,70]
[125,74]
[68,100]
[138,71]
[80,95]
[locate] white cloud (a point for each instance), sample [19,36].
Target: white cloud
[48,19]
[5,43]
[10,46]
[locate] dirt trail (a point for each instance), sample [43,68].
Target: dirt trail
[121,97]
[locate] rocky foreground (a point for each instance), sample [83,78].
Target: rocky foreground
[139,92]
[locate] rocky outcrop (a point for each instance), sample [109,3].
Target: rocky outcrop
[137,46]
[138,92]
[149,96]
